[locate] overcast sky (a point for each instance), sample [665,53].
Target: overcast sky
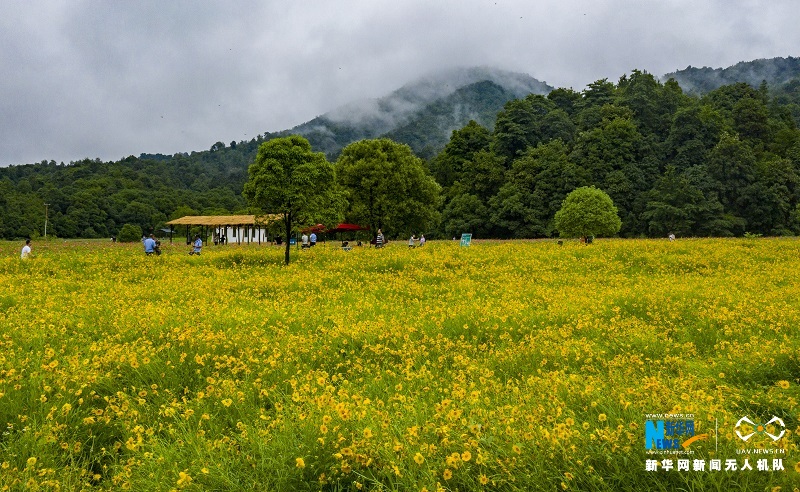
[110,79]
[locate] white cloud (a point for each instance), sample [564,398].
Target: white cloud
[109,79]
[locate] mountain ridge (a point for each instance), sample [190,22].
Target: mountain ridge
[774,71]
[390,114]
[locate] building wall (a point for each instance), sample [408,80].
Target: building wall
[243,234]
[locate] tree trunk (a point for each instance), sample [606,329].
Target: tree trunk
[287,219]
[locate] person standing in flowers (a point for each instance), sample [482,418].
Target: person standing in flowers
[379,239]
[421,240]
[411,241]
[26,250]
[197,245]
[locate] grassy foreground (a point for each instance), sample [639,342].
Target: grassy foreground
[502,366]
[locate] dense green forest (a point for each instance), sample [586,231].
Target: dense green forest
[90,198]
[723,163]
[726,163]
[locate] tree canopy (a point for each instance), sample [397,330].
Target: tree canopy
[289,179]
[388,187]
[587,212]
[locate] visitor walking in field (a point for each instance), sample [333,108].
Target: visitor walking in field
[421,240]
[26,250]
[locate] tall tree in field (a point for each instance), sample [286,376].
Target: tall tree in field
[287,178]
[587,211]
[389,187]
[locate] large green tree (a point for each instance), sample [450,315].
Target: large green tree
[587,211]
[388,187]
[289,179]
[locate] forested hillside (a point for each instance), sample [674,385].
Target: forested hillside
[429,130]
[91,198]
[727,163]
[723,163]
[774,71]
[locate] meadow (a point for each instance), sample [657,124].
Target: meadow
[516,365]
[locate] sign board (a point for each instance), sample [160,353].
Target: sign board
[466,239]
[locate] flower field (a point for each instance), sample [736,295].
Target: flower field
[502,366]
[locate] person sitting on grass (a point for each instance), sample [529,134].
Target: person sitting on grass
[149,245]
[197,245]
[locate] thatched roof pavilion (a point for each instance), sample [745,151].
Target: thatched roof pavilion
[223,225]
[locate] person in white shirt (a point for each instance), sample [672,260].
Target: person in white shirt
[26,250]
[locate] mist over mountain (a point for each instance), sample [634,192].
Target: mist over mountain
[423,113]
[430,128]
[773,71]
[434,105]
